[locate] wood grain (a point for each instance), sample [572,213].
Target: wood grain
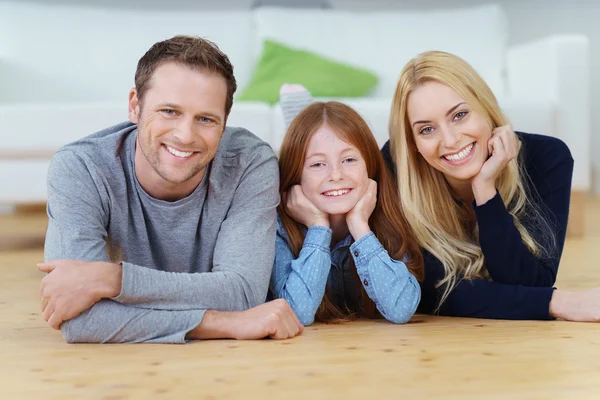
[431,357]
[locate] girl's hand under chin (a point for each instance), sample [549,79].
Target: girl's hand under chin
[303,210]
[358,217]
[502,148]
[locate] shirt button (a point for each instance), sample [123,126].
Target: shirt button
[366,282]
[356,254]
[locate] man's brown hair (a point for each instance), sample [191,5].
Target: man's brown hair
[193,52]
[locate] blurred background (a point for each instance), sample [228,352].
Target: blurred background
[66,67]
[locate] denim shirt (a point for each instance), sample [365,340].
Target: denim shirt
[302,281]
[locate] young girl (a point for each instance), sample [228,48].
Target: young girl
[343,248]
[488,206]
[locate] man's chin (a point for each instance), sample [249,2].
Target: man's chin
[178,177]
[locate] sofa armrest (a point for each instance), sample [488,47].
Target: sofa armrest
[557,69]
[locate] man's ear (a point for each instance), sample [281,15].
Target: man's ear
[134,106]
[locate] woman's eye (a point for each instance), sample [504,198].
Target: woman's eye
[426,130]
[460,115]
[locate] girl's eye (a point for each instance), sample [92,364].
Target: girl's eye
[460,115]
[426,130]
[350,159]
[316,165]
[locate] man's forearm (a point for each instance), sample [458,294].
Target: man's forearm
[215,325]
[110,322]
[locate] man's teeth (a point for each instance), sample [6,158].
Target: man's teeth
[461,155]
[335,193]
[178,153]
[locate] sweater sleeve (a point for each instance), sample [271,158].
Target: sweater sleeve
[508,260]
[302,280]
[483,299]
[391,286]
[110,322]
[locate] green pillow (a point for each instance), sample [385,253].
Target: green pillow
[280,64]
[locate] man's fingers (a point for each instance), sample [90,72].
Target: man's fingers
[43,303]
[48,311]
[293,325]
[290,327]
[296,320]
[55,320]
[46,267]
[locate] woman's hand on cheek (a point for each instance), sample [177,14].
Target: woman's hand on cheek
[303,210]
[502,148]
[358,217]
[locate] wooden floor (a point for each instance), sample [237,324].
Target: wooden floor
[431,357]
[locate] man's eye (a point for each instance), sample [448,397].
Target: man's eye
[205,120]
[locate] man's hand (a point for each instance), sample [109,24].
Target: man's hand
[274,319]
[73,286]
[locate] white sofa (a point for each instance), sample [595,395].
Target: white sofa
[65,71]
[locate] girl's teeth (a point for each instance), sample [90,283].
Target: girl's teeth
[335,193]
[461,155]
[178,153]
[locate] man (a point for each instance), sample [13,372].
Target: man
[163,229]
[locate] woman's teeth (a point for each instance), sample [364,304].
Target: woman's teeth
[461,155]
[178,153]
[335,193]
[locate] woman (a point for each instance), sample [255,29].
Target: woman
[343,248]
[488,206]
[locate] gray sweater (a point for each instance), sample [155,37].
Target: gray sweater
[211,250]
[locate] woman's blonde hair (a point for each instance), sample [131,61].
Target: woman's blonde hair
[387,220]
[443,225]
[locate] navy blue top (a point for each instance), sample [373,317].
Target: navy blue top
[521,286]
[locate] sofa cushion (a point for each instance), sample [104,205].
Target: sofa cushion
[384,41]
[281,64]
